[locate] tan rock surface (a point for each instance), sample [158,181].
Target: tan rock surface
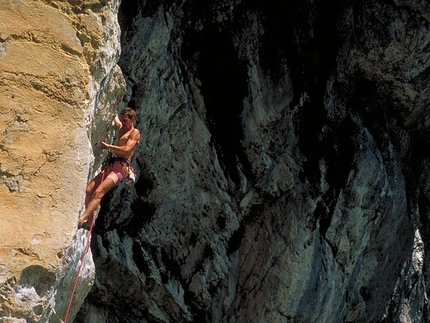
[49,83]
[42,90]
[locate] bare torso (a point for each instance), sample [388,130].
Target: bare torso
[124,138]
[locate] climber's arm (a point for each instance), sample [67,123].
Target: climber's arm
[132,141]
[117,122]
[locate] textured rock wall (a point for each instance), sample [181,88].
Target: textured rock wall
[282,165]
[58,81]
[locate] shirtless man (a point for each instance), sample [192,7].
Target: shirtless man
[118,166]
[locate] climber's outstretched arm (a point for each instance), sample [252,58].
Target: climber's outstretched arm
[117,122]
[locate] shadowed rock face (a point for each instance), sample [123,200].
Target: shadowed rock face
[282,165]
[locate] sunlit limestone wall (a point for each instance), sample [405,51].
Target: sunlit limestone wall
[58,83]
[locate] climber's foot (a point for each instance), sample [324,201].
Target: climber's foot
[83,225]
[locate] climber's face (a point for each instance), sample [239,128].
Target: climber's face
[126,119]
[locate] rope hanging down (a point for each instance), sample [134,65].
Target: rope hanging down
[87,245]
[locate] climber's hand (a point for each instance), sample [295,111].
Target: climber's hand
[104,145]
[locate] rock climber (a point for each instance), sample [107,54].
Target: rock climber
[118,164]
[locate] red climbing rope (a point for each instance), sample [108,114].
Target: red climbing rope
[87,245]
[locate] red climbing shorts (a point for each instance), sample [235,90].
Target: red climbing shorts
[115,175]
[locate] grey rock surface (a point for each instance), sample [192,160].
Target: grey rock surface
[282,166]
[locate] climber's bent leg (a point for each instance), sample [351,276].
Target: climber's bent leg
[91,188]
[99,192]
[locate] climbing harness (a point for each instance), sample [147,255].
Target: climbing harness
[111,159]
[122,160]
